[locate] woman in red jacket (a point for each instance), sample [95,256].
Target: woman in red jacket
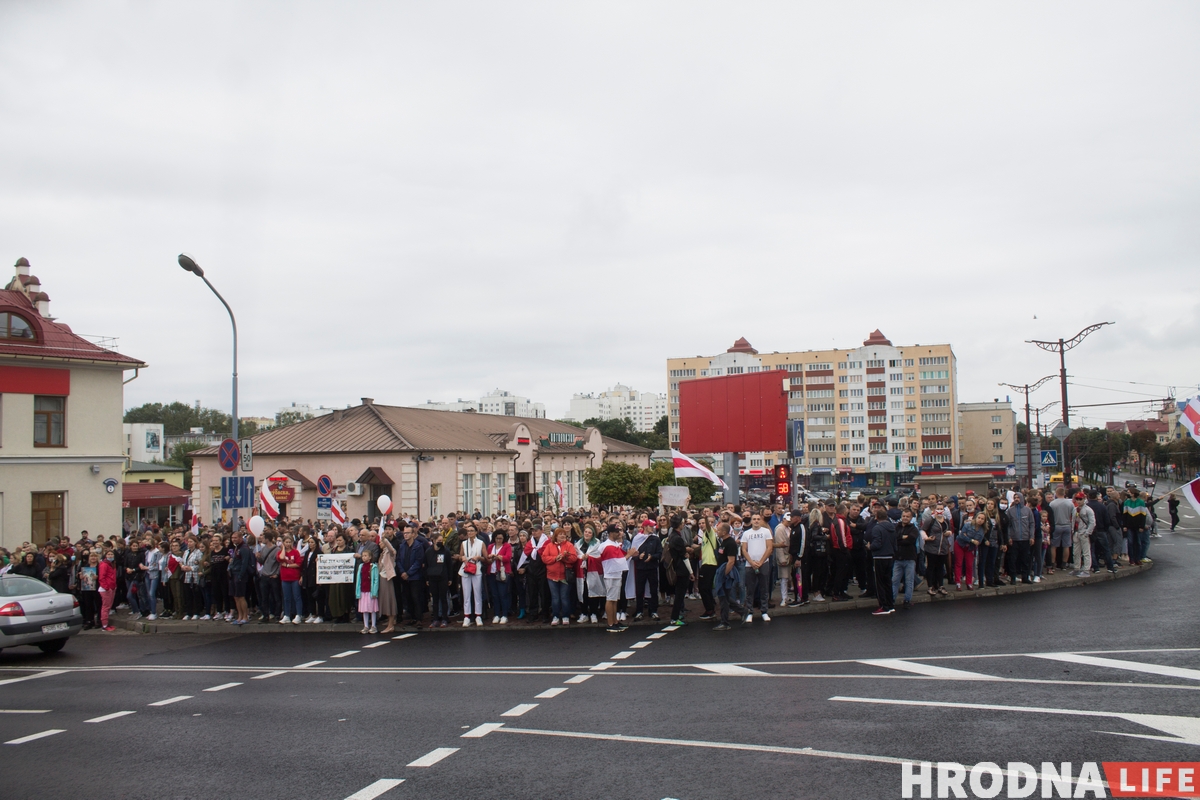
[559,555]
[108,589]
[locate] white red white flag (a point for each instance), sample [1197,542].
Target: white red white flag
[195,525]
[335,509]
[1192,492]
[558,493]
[1191,418]
[690,468]
[270,505]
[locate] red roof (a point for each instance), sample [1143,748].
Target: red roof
[877,338]
[742,346]
[153,495]
[54,339]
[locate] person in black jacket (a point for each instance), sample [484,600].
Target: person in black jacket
[883,550]
[680,553]
[904,565]
[241,572]
[437,571]
[645,571]
[796,548]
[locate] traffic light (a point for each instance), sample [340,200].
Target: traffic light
[783,481]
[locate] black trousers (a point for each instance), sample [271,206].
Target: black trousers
[89,603]
[682,581]
[864,571]
[883,582]
[806,577]
[1021,554]
[219,592]
[414,599]
[441,601]
[646,575]
[707,573]
[841,571]
[537,594]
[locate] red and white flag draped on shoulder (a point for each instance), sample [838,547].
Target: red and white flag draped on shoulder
[690,468]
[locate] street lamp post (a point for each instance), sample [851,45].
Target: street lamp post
[1061,347]
[1026,389]
[191,266]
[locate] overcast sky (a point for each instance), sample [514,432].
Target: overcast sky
[427,201]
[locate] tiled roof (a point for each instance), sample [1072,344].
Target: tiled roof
[54,339]
[374,428]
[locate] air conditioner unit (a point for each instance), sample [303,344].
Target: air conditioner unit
[354,489]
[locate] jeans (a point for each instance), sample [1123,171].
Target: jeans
[499,593]
[1143,537]
[134,595]
[906,570]
[1101,554]
[292,602]
[441,601]
[1037,558]
[560,599]
[644,576]
[758,586]
[986,562]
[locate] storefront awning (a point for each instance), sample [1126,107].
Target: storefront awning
[376,476]
[153,495]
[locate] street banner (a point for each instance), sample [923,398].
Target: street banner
[335,568]
[690,468]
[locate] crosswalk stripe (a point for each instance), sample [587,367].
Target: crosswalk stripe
[1115,663]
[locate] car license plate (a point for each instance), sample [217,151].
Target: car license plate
[60,626]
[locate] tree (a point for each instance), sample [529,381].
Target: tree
[615,483]
[1022,433]
[1143,443]
[662,473]
[178,418]
[285,418]
[623,430]
[181,456]
[570,422]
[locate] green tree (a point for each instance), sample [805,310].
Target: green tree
[181,456]
[570,422]
[1022,433]
[178,418]
[615,484]
[660,427]
[623,430]
[285,418]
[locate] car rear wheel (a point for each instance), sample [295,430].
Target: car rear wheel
[53,646]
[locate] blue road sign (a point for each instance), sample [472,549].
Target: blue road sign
[1049,458]
[324,488]
[237,492]
[229,455]
[324,502]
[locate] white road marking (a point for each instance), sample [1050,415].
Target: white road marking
[622,655]
[759,748]
[307,664]
[1114,663]
[577,679]
[34,677]
[222,687]
[433,757]
[266,675]
[376,644]
[603,665]
[670,628]
[34,736]
[375,789]
[730,669]
[37,710]
[482,730]
[1183,730]
[555,692]
[170,700]
[402,636]
[114,715]
[926,669]
[343,655]
[639,645]
[520,710]
[658,635]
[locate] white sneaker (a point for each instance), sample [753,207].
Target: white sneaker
[479,621]
[1037,578]
[495,620]
[466,622]
[207,616]
[749,618]
[766,617]
[152,616]
[593,618]
[819,598]
[317,621]
[135,615]
[554,621]
[228,615]
[582,618]
[504,620]
[296,621]
[282,620]
[621,616]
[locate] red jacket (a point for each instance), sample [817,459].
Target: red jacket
[557,570]
[107,576]
[840,533]
[290,564]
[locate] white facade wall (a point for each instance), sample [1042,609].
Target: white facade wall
[145,441]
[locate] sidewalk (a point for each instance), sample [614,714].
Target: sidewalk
[1059,580]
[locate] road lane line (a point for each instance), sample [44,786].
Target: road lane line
[170,700]
[375,789]
[343,655]
[577,679]
[658,635]
[402,636]
[482,730]
[1114,663]
[375,644]
[520,710]
[48,673]
[639,645]
[623,655]
[34,736]
[114,715]
[31,710]
[603,665]
[926,669]
[671,628]
[730,669]
[266,675]
[433,757]
[555,692]
[222,687]
[307,664]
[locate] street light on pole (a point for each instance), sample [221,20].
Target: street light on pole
[1026,389]
[1037,413]
[1061,347]
[191,266]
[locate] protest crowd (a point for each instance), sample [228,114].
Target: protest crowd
[591,566]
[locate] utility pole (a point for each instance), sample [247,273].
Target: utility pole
[1026,389]
[1061,347]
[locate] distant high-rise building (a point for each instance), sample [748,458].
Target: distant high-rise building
[645,409]
[499,402]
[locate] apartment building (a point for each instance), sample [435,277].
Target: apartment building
[987,433]
[645,409]
[864,415]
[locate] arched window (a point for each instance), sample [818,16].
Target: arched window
[14,326]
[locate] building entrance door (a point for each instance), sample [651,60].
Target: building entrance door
[526,500]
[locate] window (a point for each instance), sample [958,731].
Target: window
[858,462]
[997,445]
[820,407]
[995,418]
[821,448]
[468,493]
[911,431]
[997,458]
[735,370]
[933,361]
[910,376]
[875,364]
[934,375]
[897,390]
[910,417]
[502,491]
[876,406]
[49,421]
[820,392]
[47,521]
[997,431]
[935,418]
[856,378]
[843,393]
[821,421]
[894,362]
[485,494]
[934,431]
[874,391]
[896,376]
[935,389]
[859,392]
[854,365]
[858,448]
[912,403]
[818,367]
[897,432]
[935,403]
[856,406]
[683,373]
[841,365]
[13,326]
[857,434]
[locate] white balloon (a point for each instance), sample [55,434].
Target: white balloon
[384,503]
[256,524]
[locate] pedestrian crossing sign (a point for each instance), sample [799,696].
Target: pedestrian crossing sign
[1049,458]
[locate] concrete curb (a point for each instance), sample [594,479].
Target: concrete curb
[1060,580]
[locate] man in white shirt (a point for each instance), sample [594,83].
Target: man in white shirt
[757,545]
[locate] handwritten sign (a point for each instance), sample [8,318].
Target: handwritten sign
[335,568]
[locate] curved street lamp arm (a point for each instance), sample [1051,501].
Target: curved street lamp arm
[1068,344]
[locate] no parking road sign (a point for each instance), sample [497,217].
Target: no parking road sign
[229,455]
[324,487]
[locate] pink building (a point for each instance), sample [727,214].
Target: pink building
[429,462]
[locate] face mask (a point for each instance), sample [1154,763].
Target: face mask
[1003,506]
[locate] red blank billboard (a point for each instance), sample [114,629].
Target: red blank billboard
[733,414]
